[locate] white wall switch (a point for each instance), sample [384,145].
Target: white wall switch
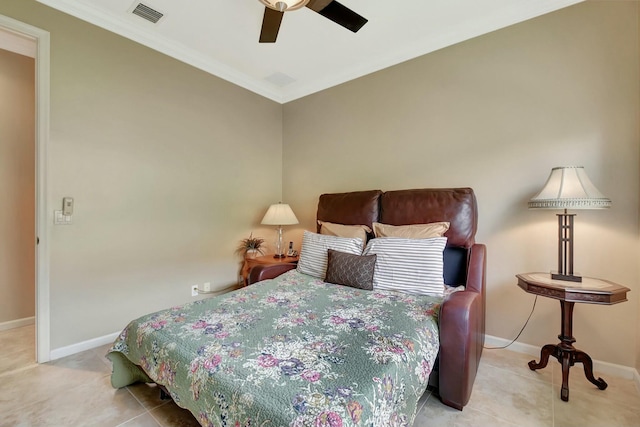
[59,218]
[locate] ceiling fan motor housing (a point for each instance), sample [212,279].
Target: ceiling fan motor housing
[284,5]
[330,9]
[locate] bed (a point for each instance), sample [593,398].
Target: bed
[294,350]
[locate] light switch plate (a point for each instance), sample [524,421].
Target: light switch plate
[60,218]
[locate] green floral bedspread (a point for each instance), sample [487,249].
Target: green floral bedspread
[293,351]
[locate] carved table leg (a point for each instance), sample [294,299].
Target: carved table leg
[567,354]
[587,363]
[566,363]
[547,350]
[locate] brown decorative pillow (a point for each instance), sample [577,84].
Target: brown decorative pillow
[350,270]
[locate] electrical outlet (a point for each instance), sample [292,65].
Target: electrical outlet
[194,290]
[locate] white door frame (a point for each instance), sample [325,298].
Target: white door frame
[42,39]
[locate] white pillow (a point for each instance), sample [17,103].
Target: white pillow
[313,254]
[413,266]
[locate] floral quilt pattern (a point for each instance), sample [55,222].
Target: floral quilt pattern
[292,351]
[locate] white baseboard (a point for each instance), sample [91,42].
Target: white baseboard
[606,368]
[107,339]
[18,323]
[83,346]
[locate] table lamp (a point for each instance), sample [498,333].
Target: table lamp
[568,187]
[279,214]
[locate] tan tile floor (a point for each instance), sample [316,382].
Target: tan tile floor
[75,391]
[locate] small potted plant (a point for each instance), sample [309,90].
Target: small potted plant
[251,247]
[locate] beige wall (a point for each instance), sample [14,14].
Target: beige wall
[169,168]
[497,113]
[17,186]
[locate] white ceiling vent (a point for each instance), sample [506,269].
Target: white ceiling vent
[147,13]
[280,79]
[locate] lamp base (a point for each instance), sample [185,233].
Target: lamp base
[565,277]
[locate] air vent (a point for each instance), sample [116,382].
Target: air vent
[280,79]
[147,13]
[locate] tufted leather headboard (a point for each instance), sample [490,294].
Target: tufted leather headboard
[458,206]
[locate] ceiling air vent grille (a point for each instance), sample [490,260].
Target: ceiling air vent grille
[147,13]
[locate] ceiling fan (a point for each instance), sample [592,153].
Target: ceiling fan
[330,9]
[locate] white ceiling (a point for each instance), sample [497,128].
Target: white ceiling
[312,53]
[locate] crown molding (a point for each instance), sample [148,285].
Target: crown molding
[518,12]
[463,31]
[164,45]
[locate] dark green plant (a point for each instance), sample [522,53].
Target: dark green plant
[249,244]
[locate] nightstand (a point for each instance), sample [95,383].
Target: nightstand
[249,263]
[591,291]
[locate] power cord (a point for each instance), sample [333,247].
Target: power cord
[521,330]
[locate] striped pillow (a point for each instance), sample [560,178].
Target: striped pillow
[313,254]
[413,266]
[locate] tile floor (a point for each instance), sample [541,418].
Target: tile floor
[75,391]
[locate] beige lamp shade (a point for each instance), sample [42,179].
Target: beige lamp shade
[279,214]
[569,187]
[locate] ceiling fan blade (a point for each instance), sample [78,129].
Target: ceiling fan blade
[338,13]
[270,25]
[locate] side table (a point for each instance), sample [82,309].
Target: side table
[591,291]
[249,263]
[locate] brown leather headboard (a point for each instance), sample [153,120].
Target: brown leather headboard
[456,205]
[354,208]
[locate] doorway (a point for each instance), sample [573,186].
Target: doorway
[32,37]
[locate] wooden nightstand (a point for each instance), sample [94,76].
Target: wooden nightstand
[590,290]
[249,263]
